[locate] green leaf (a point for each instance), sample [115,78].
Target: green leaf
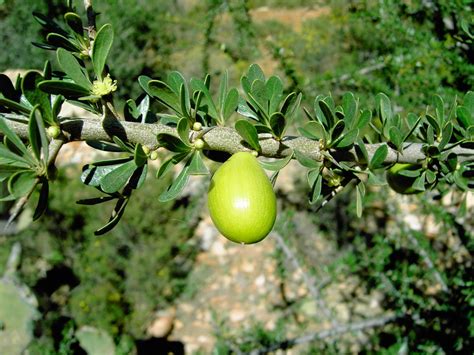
[305,161]
[177,186]
[337,130]
[172,143]
[184,101]
[7,89]
[42,204]
[93,173]
[419,183]
[384,107]
[168,164]
[223,90]
[464,117]
[95,200]
[15,106]
[347,139]
[360,192]
[117,214]
[124,146]
[313,130]
[101,47]
[274,89]
[73,69]
[196,164]
[290,105]
[278,124]
[60,41]
[249,133]
[139,156]
[446,136]
[230,104]
[38,137]
[74,22]
[199,85]
[379,157]
[434,124]
[438,103]
[349,107]
[12,136]
[275,165]
[396,137]
[244,109]
[255,73]
[104,146]
[364,119]
[328,114]
[118,177]
[35,96]
[65,88]
[163,92]
[21,183]
[183,131]
[316,186]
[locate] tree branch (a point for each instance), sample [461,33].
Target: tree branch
[222,139]
[337,330]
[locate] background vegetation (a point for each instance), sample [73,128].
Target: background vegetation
[409,50]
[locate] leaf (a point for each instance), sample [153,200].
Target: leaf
[176,187]
[438,103]
[347,139]
[379,157]
[313,130]
[290,105]
[95,341]
[360,192]
[20,184]
[316,186]
[92,174]
[434,124]
[223,90]
[104,146]
[328,114]
[275,165]
[65,88]
[117,214]
[138,177]
[14,106]
[163,92]
[59,41]
[278,124]
[12,136]
[337,130]
[384,107]
[419,183]
[73,69]
[42,200]
[199,85]
[446,136]
[349,107]
[139,156]
[183,130]
[305,161]
[464,117]
[35,96]
[196,164]
[118,177]
[230,104]
[364,119]
[168,164]
[184,100]
[244,109]
[255,73]
[37,134]
[396,137]
[274,89]
[7,89]
[172,143]
[95,200]
[101,47]
[249,133]
[74,22]
[124,146]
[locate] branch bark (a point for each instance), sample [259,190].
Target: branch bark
[222,139]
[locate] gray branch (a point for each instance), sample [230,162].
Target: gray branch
[222,139]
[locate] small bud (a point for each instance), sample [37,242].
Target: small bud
[154,155]
[53,131]
[254,153]
[146,150]
[199,144]
[197,126]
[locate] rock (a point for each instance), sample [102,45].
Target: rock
[163,324]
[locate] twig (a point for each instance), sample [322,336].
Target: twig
[306,278]
[91,26]
[13,260]
[337,330]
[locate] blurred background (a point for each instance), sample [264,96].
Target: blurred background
[396,281]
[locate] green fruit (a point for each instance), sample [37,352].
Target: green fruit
[53,131]
[241,200]
[401,183]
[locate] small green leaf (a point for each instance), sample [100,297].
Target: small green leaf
[419,183]
[347,139]
[361,151]
[196,164]
[74,22]
[379,157]
[349,107]
[274,89]
[139,156]
[117,214]
[384,107]
[42,204]
[21,183]
[172,143]
[446,136]
[118,177]
[168,164]
[396,137]
[290,105]
[60,41]
[161,91]
[124,146]
[255,73]
[73,69]
[316,186]
[364,119]
[95,200]
[65,88]
[184,101]
[35,96]
[12,136]
[14,106]
[464,117]
[275,165]
[438,103]
[313,130]
[328,114]
[183,131]
[434,124]
[38,137]
[305,161]
[104,146]
[249,133]
[278,124]
[337,130]
[199,85]
[360,192]
[230,104]
[177,186]
[101,47]
[223,90]
[244,109]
